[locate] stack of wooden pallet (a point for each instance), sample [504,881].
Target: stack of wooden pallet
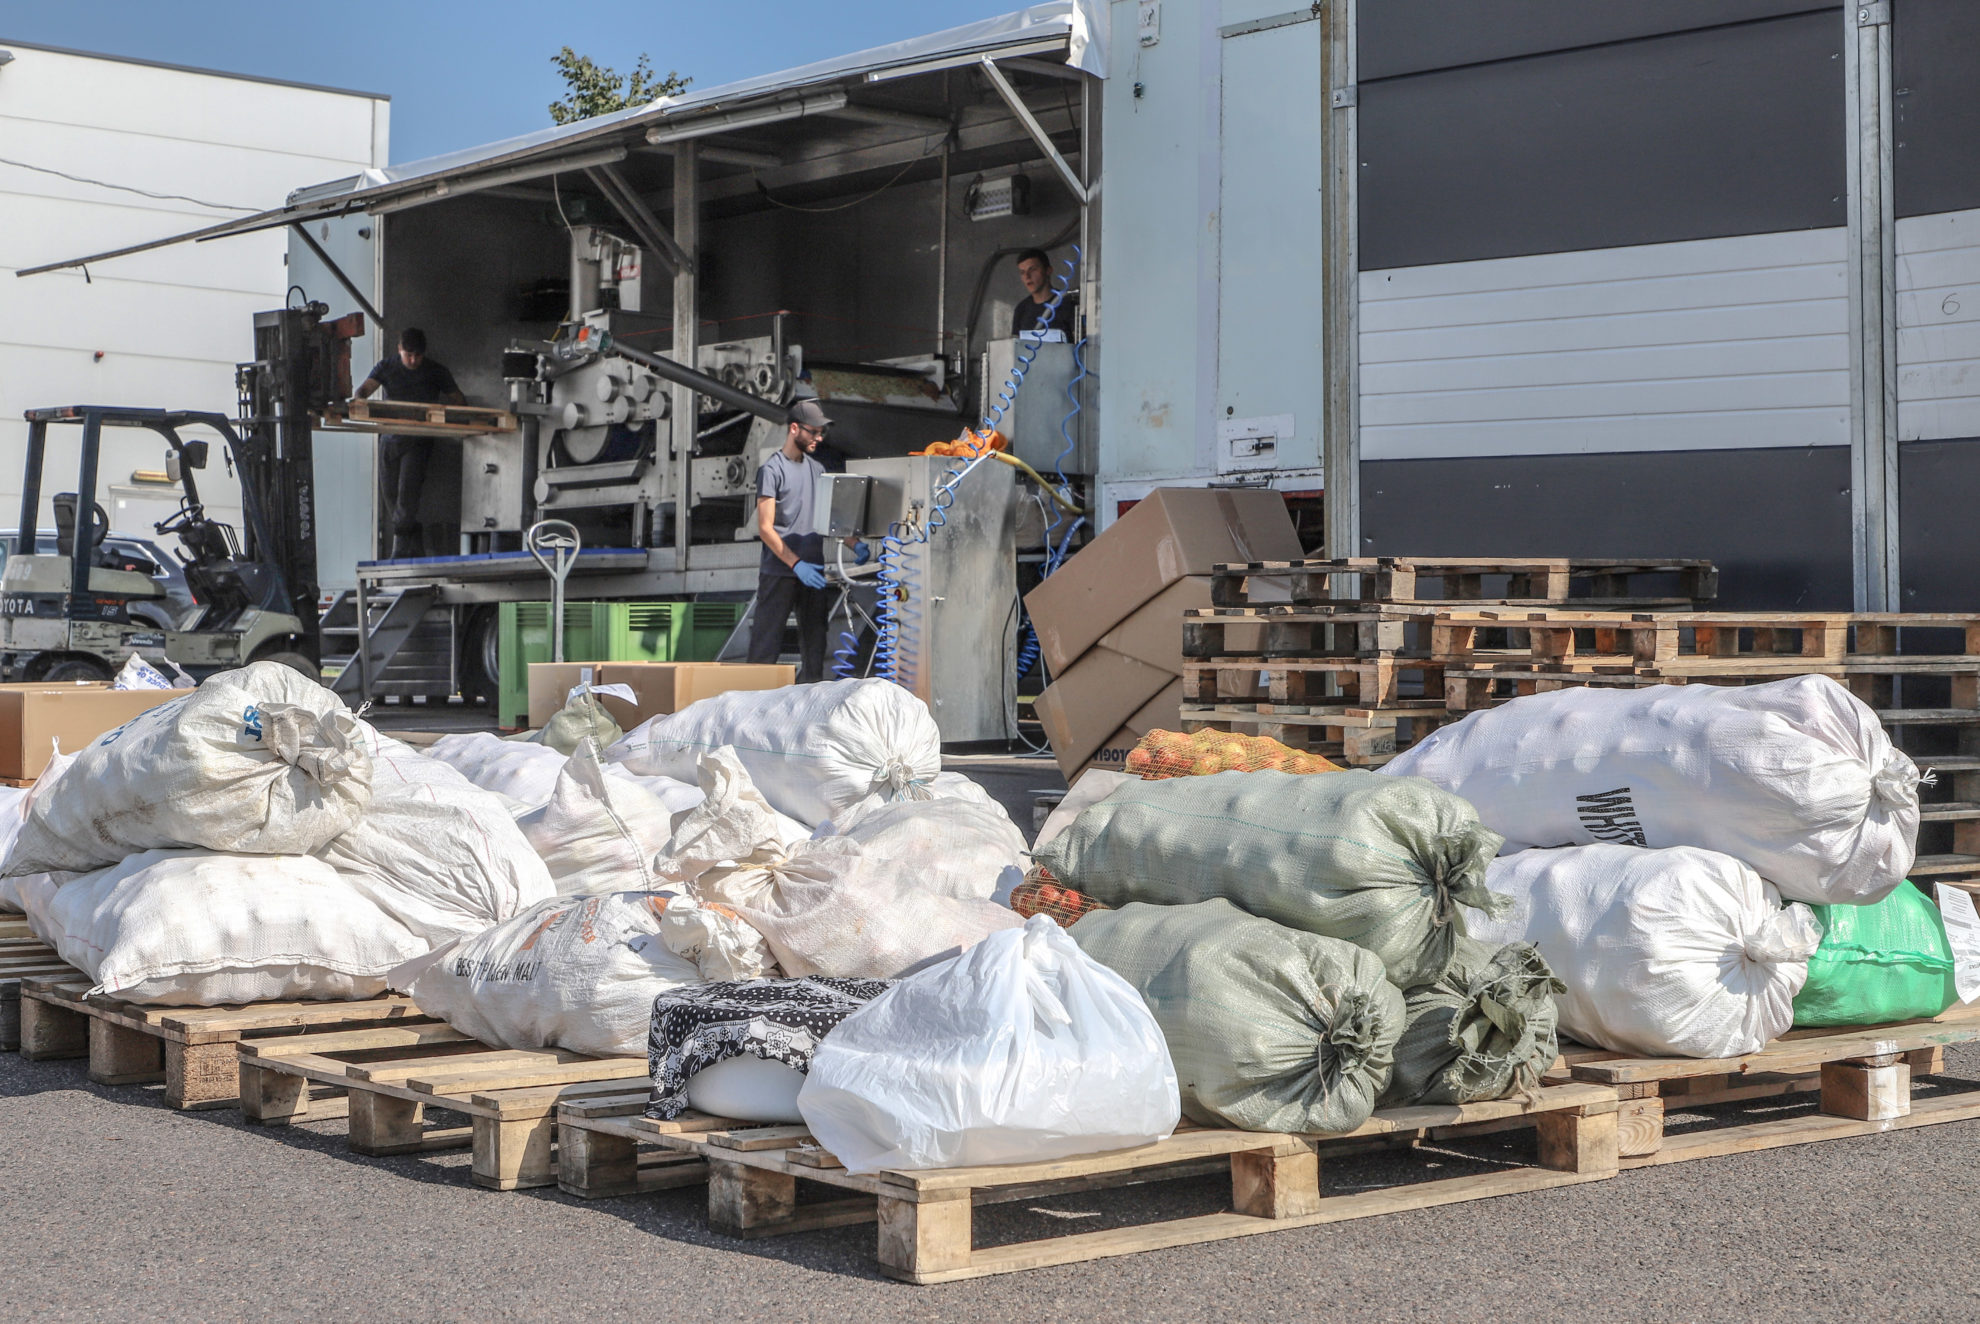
[1347,657]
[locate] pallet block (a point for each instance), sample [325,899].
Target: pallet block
[192,1049]
[22,959]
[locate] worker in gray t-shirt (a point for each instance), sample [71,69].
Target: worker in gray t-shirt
[792,572]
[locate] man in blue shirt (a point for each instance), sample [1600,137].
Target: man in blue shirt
[402,461]
[791,573]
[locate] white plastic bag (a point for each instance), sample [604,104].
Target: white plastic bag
[138,674]
[824,906]
[521,770]
[1669,953]
[194,928]
[958,847]
[813,750]
[1023,1049]
[578,973]
[439,855]
[261,761]
[598,833]
[1795,777]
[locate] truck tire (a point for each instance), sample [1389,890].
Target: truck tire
[294,662]
[75,669]
[480,660]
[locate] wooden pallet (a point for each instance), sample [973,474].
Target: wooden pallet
[192,1049]
[1371,682]
[1357,737]
[1231,633]
[392,1075]
[14,927]
[1461,580]
[1663,644]
[22,959]
[414,419]
[925,1223]
[1863,1077]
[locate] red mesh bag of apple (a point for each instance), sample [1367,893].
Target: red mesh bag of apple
[1041,894]
[1163,754]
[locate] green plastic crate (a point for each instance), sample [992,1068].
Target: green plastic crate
[606,632]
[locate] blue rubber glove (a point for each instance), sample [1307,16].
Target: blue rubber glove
[810,573]
[861,553]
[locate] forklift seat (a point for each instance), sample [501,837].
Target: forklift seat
[65,528]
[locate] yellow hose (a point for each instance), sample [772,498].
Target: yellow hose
[1038,478]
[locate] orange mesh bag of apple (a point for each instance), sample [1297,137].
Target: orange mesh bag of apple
[1042,894]
[1163,754]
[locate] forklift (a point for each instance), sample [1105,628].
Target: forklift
[67,617]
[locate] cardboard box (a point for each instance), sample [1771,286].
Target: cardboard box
[659,687]
[1175,532]
[1153,633]
[33,717]
[1093,699]
[1161,713]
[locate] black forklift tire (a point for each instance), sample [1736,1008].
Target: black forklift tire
[294,662]
[76,669]
[480,683]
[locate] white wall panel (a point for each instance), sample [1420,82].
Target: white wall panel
[1707,344]
[1938,311]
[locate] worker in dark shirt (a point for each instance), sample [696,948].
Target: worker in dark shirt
[1035,270]
[408,376]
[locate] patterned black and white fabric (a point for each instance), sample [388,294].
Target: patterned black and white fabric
[780,1020]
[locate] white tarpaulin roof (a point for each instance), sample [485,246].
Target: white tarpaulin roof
[1076,28]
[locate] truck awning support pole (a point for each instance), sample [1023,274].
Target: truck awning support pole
[377,318]
[1035,129]
[642,220]
[687,331]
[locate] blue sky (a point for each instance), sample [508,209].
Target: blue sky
[462,72]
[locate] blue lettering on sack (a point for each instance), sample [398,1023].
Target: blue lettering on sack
[251,722]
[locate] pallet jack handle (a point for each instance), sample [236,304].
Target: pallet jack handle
[555,544]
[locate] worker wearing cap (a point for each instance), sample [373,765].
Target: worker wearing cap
[792,572]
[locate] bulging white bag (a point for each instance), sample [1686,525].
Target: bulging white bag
[814,751]
[1022,1049]
[958,847]
[578,973]
[1668,953]
[260,761]
[523,771]
[442,857]
[825,906]
[598,833]
[1795,777]
[13,813]
[194,928]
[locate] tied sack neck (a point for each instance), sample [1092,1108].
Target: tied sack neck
[1457,875]
[896,779]
[1895,783]
[322,745]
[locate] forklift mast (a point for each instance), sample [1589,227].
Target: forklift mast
[302,365]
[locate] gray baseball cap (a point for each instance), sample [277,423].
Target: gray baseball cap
[808,413]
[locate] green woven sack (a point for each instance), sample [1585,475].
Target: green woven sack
[1483,1030]
[1382,862]
[1885,962]
[1270,1029]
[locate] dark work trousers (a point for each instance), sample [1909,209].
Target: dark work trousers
[402,461]
[775,596]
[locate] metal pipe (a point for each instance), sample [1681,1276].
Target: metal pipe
[687,335]
[942,268]
[699,382]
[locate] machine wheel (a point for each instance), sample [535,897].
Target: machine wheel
[153,613]
[294,662]
[75,669]
[481,665]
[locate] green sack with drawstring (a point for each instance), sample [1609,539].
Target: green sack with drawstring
[1487,1028]
[1386,863]
[1270,1029]
[1890,961]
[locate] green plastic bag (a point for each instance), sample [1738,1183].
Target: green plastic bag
[1386,863]
[1885,962]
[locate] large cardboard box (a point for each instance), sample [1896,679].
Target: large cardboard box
[1174,533]
[658,687]
[1153,633]
[33,717]
[1093,698]
[1161,713]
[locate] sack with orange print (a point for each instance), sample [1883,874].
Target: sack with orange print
[1199,754]
[1041,894]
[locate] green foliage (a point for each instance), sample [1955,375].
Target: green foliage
[596,90]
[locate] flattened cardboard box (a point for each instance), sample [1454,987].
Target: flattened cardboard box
[658,687]
[34,716]
[1174,532]
[1093,699]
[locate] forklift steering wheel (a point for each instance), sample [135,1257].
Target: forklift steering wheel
[102,522]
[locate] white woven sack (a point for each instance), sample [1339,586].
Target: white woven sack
[814,751]
[824,906]
[436,853]
[951,845]
[12,890]
[1021,1049]
[521,770]
[195,928]
[1668,953]
[578,973]
[1795,777]
[262,761]
[598,833]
